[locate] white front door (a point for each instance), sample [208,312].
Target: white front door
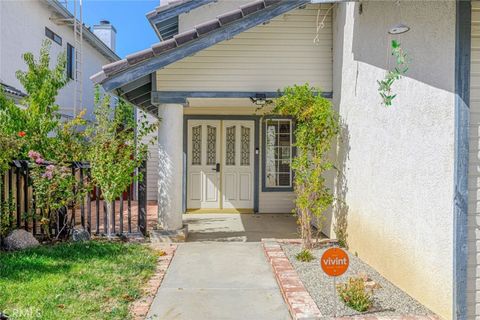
[220,164]
[203,189]
[237,164]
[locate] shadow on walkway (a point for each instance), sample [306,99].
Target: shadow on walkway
[240,227]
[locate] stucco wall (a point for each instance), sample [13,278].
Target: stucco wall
[473,282]
[22,25]
[398,161]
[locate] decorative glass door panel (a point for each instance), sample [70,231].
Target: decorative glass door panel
[203,170]
[220,164]
[237,163]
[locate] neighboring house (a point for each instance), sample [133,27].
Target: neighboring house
[404,171]
[26,24]
[12,93]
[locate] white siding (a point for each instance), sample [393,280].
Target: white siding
[265,58]
[473,285]
[207,12]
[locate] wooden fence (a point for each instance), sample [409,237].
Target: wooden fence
[18,208]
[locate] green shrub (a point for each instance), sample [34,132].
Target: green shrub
[305,256]
[355,294]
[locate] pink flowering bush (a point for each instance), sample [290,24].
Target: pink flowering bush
[53,185]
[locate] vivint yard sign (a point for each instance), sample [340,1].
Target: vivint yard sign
[334,262]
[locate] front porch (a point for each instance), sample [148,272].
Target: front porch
[229,227]
[233,227]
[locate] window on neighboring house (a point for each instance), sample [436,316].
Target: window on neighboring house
[278,153]
[53,36]
[70,61]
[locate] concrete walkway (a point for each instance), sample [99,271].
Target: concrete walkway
[240,227]
[219,281]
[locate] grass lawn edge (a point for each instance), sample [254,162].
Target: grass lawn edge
[140,307]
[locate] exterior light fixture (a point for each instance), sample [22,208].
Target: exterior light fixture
[399,29]
[260,99]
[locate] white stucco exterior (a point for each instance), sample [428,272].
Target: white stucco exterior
[473,280]
[170,159]
[397,161]
[22,25]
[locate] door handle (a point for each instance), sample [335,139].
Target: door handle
[217,167]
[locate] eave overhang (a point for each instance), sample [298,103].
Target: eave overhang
[164,19]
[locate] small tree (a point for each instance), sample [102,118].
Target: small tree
[316,126]
[41,117]
[117,148]
[37,121]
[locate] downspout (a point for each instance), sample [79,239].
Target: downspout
[462,120]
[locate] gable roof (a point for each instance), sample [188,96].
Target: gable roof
[132,76]
[164,19]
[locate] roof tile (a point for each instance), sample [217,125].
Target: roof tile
[208,26]
[115,66]
[139,56]
[163,46]
[252,7]
[98,77]
[271,2]
[230,16]
[186,36]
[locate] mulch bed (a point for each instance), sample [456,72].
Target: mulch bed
[308,281]
[139,308]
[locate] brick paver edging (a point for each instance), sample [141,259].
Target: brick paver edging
[139,309]
[300,304]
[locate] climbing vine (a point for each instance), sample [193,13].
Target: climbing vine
[316,126]
[401,68]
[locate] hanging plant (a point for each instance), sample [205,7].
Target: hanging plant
[401,68]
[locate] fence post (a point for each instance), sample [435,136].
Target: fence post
[142,199]
[18,173]
[2,203]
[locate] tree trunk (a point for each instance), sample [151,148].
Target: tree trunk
[108,227]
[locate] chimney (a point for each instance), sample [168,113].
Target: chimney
[106,32]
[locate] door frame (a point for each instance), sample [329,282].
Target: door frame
[256,158]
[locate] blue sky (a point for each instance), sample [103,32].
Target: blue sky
[134,33]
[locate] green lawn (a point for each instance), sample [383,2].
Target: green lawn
[91,280]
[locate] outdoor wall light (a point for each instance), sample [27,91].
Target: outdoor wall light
[260,99]
[399,29]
